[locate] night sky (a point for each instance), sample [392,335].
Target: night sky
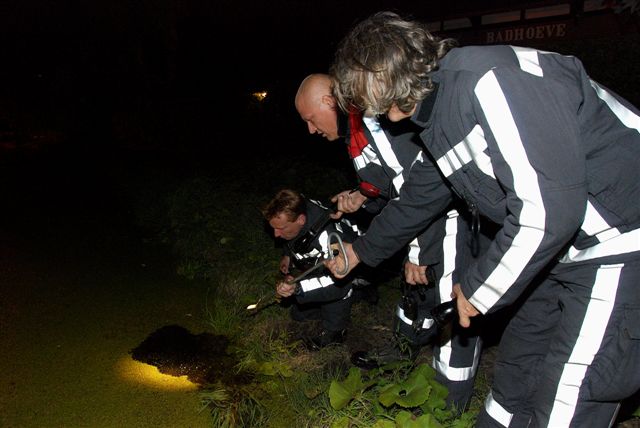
[173,74]
[163,73]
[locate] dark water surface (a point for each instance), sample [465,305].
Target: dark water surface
[81,285]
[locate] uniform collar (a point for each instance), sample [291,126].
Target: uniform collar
[424,109]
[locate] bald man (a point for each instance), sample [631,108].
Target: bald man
[383,153]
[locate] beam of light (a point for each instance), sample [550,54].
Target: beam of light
[259,96]
[136,372]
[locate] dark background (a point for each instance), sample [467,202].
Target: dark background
[108,106]
[176,74]
[173,74]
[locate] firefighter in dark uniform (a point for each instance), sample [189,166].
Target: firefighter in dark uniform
[382,153]
[532,143]
[305,226]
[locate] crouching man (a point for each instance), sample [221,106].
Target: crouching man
[305,226]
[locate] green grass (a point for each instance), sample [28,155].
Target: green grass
[214,226]
[217,233]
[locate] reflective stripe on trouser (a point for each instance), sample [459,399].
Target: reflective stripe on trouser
[571,352]
[424,323]
[426,331]
[421,336]
[456,363]
[456,357]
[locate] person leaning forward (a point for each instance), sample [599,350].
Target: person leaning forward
[383,153]
[531,142]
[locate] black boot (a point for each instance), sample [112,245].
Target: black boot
[326,338]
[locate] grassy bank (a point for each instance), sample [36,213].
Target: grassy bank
[217,233]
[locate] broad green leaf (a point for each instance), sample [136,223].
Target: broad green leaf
[383,423]
[411,393]
[437,398]
[389,393]
[341,393]
[425,371]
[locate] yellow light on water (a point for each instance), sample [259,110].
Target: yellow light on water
[146,374]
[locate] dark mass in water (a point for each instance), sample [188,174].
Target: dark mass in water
[175,351]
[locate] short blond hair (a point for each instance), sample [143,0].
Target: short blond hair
[287,201]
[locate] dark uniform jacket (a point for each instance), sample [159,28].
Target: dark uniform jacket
[317,249]
[528,140]
[383,153]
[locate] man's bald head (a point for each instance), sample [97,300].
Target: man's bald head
[312,89]
[317,107]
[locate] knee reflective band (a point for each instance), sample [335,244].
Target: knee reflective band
[496,411]
[427,323]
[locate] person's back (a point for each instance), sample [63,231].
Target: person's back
[578,114]
[528,140]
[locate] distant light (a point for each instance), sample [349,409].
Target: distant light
[259,96]
[146,374]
